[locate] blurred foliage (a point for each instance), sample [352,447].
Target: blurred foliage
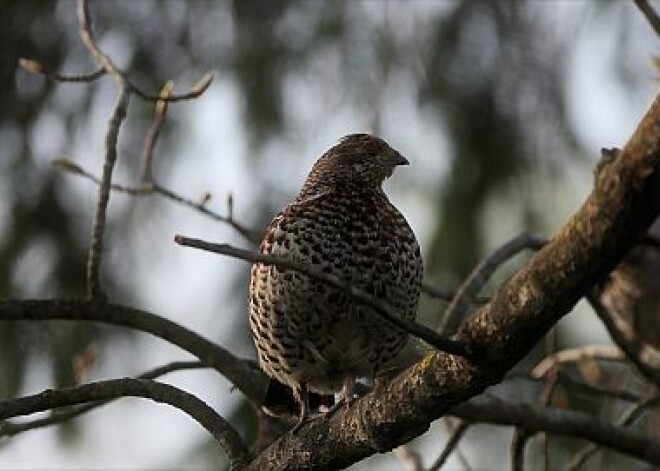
[492,73]
[40,238]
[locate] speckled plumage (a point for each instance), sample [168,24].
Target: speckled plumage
[308,335]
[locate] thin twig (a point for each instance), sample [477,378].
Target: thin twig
[444,344]
[469,289]
[576,355]
[85,31]
[633,349]
[73,168]
[650,14]
[547,392]
[94,255]
[214,423]
[437,293]
[94,291]
[87,38]
[35,67]
[160,112]
[451,445]
[446,295]
[58,416]
[627,418]
[545,399]
[517,451]
[579,386]
[153,188]
[249,235]
[409,458]
[195,91]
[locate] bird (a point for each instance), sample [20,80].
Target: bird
[310,336]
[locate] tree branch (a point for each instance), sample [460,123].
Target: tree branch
[221,430]
[245,375]
[8,429]
[650,14]
[35,67]
[575,355]
[153,188]
[98,228]
[382,308]
[160,113]
[563,422]
[635,351]
[450,446]
[469,289]
[580,386]
[518,444]
[447,295]
[628,418]
[248,234]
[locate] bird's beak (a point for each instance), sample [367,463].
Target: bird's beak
[400,159]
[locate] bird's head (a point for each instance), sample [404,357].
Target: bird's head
[357,160]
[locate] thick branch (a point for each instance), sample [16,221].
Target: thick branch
[244,375]
[223,432]
[624,202]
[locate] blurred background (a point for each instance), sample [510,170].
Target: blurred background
[501,107]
